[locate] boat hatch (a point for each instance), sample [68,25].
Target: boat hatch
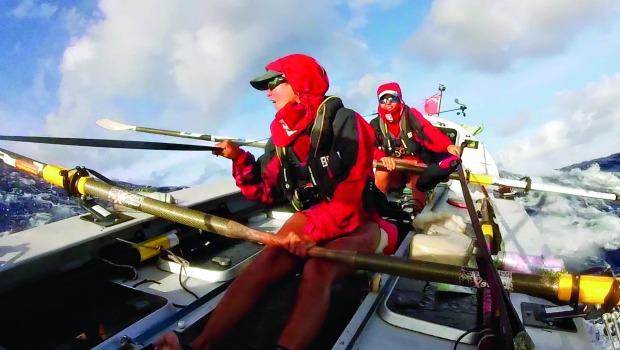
[213,265]
[421,306]
[71,313]
[470,144]
[451,133]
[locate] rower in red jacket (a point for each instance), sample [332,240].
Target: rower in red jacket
[402,132]
[320,157]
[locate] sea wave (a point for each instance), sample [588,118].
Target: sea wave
[581,229]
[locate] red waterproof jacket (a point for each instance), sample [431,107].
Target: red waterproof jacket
[352,146]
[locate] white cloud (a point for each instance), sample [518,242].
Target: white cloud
[511,125]
[490,35]
[364,89]
[590,127]
[30,9]
[185,62]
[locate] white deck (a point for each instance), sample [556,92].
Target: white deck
[379,334]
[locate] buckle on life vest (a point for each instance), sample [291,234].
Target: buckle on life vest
[399,152]
[306,196]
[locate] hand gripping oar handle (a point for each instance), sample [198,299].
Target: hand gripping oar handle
[487,180]
[592,289]
[116,126]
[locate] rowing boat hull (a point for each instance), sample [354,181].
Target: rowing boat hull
[47,262]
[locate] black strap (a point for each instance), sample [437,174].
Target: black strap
[509,319]
[162,146]
[613,296]
[574,293]
[69,183]
[101,177]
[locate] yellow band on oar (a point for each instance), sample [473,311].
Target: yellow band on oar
[51,174]
[592,289]
[487,231]
[480,179]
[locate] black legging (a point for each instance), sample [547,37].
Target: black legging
[434,174]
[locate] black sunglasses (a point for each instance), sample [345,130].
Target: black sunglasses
[273,83]
[388,99]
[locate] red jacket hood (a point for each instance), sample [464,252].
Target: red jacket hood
[391,88]
[309,80]
[304,73]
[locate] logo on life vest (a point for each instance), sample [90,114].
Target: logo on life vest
[288,131]
[410,134]
[324,161]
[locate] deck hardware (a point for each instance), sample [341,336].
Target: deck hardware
[100,215]
[222,261]
[128,344]
[558,318]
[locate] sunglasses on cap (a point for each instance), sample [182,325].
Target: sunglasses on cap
[389,99]
[273,83]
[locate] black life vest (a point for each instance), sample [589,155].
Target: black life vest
[314,180]
[309,182]
[406,143]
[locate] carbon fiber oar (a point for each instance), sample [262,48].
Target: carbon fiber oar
[160,146]
[590,290]
[487,180]
[117,126]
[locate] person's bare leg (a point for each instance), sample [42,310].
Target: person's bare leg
[318,276]
[272,264]
[168,342]
[382,180]
[419,197]
[387,180]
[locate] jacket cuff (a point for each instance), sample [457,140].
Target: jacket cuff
[240,160]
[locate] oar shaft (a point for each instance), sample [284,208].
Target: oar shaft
[181,134]
[593,289]
[95,188]
[408,167]
[555,189]
[184,216]
[106,143]
[487,180]
[197,136]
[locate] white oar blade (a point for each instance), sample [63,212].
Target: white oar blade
[112,125]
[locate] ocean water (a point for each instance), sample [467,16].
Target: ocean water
[585,232]
[27,201]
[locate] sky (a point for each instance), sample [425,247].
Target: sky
[542,76]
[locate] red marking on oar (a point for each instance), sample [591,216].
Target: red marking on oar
[27,167]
